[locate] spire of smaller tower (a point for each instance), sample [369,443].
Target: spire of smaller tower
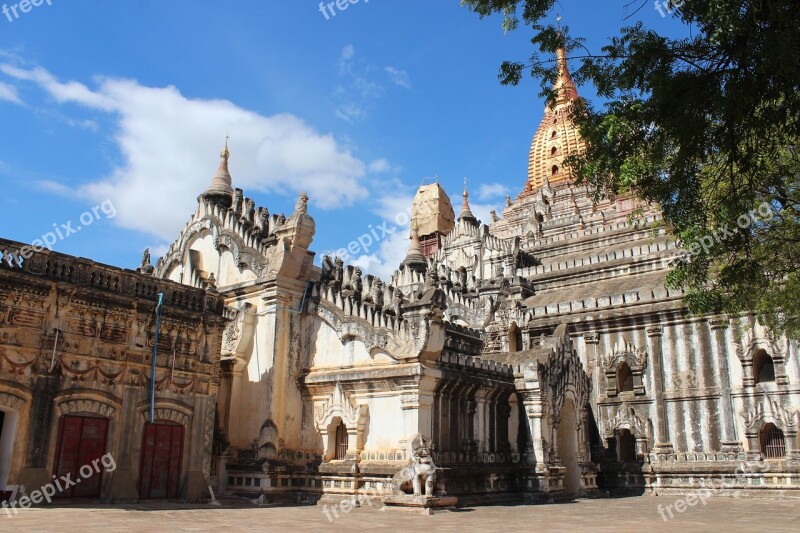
[221,189]
[466,212]
[415,260]
[565,88]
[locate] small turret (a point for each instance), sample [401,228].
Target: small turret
[414,259]
[221,190]
[466,213]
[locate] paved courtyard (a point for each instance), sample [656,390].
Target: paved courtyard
[724,515]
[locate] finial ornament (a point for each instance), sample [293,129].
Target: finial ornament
[466,193]
[225,154]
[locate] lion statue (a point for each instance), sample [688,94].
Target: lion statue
[420,468]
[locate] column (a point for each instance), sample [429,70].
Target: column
[655,337]
[730,442]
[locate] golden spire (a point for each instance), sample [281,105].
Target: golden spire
[557,137]
[225,154]
[565,88]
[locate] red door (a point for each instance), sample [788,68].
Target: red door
[162,453]
[81,441]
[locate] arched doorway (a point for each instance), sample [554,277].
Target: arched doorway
[160,465]
[81,442]
[8,431]
[568,447]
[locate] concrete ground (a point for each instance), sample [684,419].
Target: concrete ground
[641,513]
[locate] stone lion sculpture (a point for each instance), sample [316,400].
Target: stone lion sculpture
[420,468]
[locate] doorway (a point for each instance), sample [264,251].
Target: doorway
[162,453]
[568,448]
[81,441]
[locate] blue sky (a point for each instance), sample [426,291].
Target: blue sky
[131,102]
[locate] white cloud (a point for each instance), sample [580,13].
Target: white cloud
[346,59]
[8,93]
[391,252]
[169,145]
[62,92]
[487,191]
[350,112]
[359,87]
[483,211]
[399,77]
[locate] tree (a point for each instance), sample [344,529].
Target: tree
[705,126]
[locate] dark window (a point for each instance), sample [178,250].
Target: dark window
[624,378]
[763,367]
[341,442]
[627,446]
[514,338]
[773,443]
[555,170]
[554,151]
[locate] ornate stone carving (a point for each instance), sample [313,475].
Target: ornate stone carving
[237,331]
[770,410]
[635,357]
[625,419]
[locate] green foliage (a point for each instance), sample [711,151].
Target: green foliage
[705,126]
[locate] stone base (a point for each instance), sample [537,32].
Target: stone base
[731,447]
[425,504]
[31,479]
[123,487]
[663,448]
[196,488]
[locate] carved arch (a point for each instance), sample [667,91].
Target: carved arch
[632,356]
[750,346]
[87,401]
[170,410]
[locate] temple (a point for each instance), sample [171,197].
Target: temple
[532,358]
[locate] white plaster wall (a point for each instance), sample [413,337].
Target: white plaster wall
[329,352]
[386,424]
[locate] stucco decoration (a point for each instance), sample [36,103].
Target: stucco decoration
[338,404]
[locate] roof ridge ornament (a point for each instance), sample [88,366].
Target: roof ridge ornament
[221,189]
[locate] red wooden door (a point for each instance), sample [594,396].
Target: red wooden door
[162,453]
[81,441]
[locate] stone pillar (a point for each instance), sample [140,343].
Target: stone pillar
[480,420]
[35,474]
[234,413]
[124,480]
[662,444]
[470,426]
[730,442]
[352,445]
[592,339]
[533,408]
